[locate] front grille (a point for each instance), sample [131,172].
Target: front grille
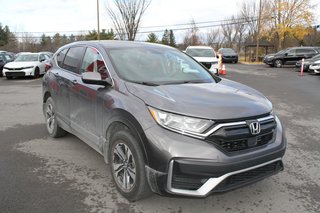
[15,74]
[243,178]
[237,138]
[15,68]
[207,64]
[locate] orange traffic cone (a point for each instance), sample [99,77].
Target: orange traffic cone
[223,71]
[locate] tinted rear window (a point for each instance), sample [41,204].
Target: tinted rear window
[60,56]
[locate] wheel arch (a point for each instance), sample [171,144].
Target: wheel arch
[46,95]
[121,119]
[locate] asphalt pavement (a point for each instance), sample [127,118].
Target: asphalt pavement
[41,174]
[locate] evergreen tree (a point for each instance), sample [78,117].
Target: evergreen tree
[107,34]
[172,39]
[152,38]
[4,35]
[165,37]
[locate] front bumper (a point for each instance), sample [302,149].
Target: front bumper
[193,167]
[268,61]
[229,59]
[18,73]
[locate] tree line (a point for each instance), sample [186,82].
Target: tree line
[276,23]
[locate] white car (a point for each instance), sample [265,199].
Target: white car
[315,67]
[205,55]
[26,64]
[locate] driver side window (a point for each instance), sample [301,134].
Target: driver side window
[93,62]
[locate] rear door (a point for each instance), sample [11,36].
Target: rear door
[69,61]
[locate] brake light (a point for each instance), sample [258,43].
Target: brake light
[47,66]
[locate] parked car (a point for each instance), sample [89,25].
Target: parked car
[314,68]
[228,55]
[5,57]
[290,56]
[205,55]
[307,63]
[161,120]
[26,64]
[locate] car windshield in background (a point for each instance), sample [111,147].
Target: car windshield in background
[228,50]
[200,52]
[316,56]
[27,57]
[157,66]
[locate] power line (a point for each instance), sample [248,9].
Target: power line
[147,27]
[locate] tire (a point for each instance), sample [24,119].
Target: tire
[53,128]
[126,160]
[278,63]
[36,73]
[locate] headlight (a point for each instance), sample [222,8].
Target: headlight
[271,56]
[179,122]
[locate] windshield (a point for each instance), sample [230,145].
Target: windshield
[228,50]
[316,57]
[157,66]
[200,52]
[27,57]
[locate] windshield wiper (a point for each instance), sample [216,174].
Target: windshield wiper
[187,82]
[147,83]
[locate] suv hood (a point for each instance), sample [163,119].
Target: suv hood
[206,59]
[218,101]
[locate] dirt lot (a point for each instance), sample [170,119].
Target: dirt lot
[40,174]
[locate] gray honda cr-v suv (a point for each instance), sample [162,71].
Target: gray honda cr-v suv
[160,120]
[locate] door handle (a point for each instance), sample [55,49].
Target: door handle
[55,73]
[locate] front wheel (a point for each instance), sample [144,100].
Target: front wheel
[36,73]
[53,127]
[127,166]
[278,63]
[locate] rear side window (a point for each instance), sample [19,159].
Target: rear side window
[73,59]
[305,51]
[60,57]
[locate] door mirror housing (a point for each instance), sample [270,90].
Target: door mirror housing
[95,78]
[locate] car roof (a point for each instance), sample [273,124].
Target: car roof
[199,47]
[118,44]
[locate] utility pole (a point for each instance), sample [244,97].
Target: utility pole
[98,20]
[258,32]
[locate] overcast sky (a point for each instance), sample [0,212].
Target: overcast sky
[76,15]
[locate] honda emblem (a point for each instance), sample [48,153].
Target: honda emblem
[255,128]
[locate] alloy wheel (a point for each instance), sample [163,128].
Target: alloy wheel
[50,118]
[124,167]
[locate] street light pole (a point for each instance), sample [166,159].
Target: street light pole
[98,20]
[258,32]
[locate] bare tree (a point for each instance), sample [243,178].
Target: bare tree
[127,16]
[213,37]
[232,31]
[192,36]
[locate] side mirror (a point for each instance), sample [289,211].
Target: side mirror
[42,60]
[94,78]
[1,60]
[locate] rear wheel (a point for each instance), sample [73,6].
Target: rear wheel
[53,127]
[127,166]
[278,63]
